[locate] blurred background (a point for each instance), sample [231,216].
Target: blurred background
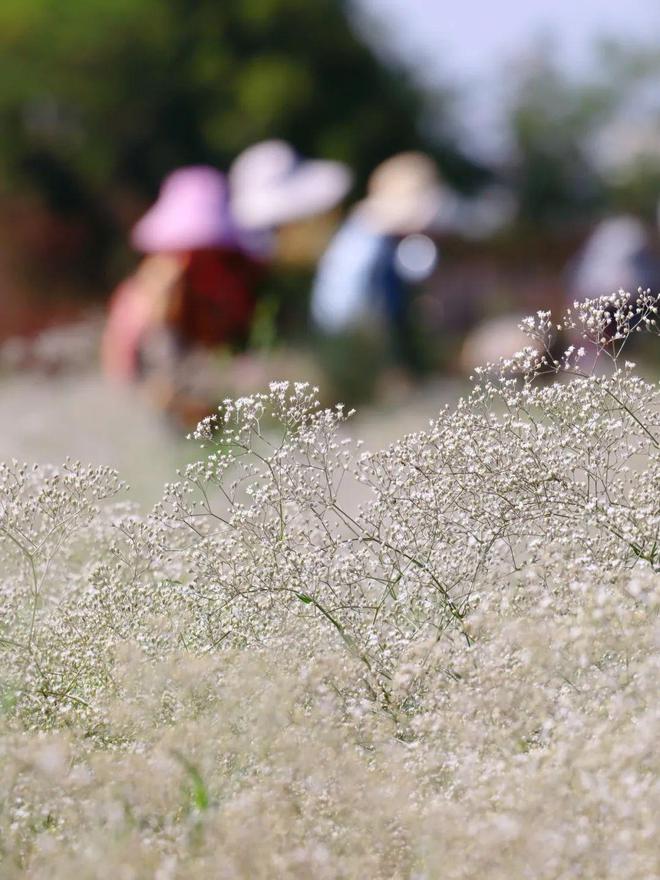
[529,131]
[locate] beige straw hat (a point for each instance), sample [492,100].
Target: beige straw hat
[404,195]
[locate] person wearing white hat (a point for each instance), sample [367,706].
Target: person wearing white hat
[285,209]
[361,286]
[270,186]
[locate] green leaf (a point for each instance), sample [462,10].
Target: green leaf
[198,791]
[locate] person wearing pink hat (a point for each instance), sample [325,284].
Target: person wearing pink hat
[195,286]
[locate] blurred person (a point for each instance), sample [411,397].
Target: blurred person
[193,290]
[361,294]
[272,187]
[286,208]
[619,253]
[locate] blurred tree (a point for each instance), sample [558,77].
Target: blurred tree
[627,148]
[551,122]
[590,145]
[102,97]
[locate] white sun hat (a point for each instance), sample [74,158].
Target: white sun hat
[271,185]
[404,195]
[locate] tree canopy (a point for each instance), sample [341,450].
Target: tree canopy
[124,90]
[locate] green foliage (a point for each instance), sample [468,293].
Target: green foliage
[126,89]
[557,122]
[551,120]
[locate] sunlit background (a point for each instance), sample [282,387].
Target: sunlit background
[541,121]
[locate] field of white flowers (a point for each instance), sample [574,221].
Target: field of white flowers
[438,660]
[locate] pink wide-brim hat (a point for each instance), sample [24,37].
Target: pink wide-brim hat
[192,212]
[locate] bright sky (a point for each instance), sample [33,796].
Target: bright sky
[467,42]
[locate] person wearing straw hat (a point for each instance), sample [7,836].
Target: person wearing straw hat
[194,288]
[360,294]
[285,208]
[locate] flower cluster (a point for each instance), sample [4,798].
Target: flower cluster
[435,660]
